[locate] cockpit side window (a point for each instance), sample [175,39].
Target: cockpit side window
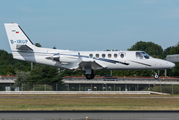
[139,55]
[142,55]
[146,55]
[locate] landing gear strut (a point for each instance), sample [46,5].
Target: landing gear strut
[90,76]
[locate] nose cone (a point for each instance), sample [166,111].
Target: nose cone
[171,65]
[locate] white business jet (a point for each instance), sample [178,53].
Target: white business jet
[23,49]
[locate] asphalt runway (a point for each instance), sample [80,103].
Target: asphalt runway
[92,115]
[32,97]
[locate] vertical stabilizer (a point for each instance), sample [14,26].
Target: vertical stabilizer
[18,40]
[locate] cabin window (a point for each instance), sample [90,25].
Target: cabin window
[122,55]
[91,56]
[97,55]
[109,55]
[103,55]
[115,55]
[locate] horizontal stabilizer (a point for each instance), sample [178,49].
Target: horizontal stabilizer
[23,47]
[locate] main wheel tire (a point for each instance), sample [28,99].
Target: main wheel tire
[89,76]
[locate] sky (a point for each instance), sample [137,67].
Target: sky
[82,25]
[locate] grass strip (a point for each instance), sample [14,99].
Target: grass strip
[73,102]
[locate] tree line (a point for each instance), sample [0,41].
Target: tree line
[10,66]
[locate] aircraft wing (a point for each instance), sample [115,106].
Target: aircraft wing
[90,64]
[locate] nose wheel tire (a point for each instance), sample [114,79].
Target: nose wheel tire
[156,76]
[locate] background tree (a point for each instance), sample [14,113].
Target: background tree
[170,51]
[22,77]
[38,44]
[45,75]
[167,51]
[10,66]
[22,80]
[149,47]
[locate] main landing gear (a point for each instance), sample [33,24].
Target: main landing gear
[90,76]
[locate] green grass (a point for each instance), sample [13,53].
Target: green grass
[73,102]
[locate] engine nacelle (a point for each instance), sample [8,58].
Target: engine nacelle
[64,58]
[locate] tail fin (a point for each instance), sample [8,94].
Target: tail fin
[18,40]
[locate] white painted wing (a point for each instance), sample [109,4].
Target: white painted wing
[93,65]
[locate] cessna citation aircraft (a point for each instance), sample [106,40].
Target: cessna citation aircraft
[23,49]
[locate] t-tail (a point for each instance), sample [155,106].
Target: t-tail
[18,41]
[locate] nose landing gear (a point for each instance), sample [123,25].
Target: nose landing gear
[156,76]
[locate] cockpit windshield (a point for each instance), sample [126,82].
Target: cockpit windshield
[142,55]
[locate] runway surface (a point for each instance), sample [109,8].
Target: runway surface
[31,97]
[92,115]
